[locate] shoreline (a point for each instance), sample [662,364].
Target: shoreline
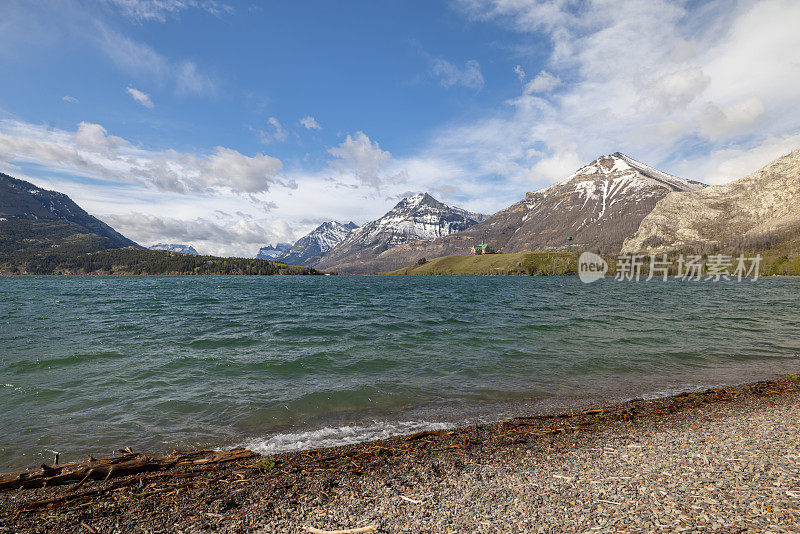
[287,488]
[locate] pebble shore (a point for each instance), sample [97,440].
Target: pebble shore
[706,462]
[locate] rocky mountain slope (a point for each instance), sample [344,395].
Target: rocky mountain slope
[599,206]
[416,218]
[174,247]
[271,252]
[761,210]
[309,248]
[29,206]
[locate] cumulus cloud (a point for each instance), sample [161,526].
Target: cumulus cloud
[310,123]
[362,157]
[69,99]
[451,75]
[140,97]
[520,72]
[560,161]
[92,151]
[544,82]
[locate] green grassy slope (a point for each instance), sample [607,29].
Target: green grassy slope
[565,264]
[520,263]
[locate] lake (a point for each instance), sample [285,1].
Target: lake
[93,363]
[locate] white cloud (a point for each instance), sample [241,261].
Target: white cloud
[310,123]
[561,161]
[228,235]
[188,80]
[70,99]
[141,60]
[681,87]
[90,151]
[520,72]
[450,75]
[544,82]
[725,164]
[131,56]
[712,79]
[161,10]
[277,134]
[363,158]
[280,133]
[140,97]
[719,123]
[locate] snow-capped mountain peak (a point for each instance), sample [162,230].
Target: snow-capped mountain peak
[414,218]
[603,201]
[417,217]
[310,247]
[619,167]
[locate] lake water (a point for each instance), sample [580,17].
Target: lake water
[89,364]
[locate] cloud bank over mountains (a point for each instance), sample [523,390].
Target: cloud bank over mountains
[91,151]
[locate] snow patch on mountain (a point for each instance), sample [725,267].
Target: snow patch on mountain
[313,245]
[271,252]
[609,180]
[415,218]
[174,247]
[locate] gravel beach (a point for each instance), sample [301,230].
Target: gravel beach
[723,460]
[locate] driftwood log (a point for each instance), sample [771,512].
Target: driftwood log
[131,463]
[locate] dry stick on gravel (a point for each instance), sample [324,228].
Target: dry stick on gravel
[426,433]
[369,528]
[106,468]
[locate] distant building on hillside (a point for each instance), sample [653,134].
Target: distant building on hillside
[482,249]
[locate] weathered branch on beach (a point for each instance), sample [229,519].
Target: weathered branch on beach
[78,473]
[426,433]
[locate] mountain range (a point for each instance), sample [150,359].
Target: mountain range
[599,206]
[42,212]
[612,204]
[415,218]
[37,225]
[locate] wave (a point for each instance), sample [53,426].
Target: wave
[337,436]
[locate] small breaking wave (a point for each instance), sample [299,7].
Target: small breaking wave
[337,436]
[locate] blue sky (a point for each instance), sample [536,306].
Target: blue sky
[230,125]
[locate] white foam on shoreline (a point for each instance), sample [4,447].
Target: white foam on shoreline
[337,436]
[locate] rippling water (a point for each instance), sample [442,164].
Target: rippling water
[88,364]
